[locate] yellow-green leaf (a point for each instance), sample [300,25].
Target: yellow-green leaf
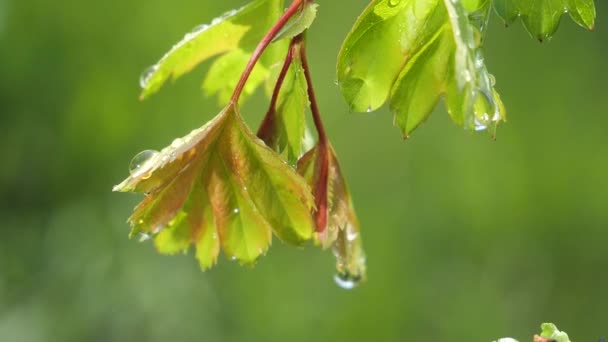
[219,186]
[239,29]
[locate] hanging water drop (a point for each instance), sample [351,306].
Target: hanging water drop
[145,77]
[345,281]
[140,160]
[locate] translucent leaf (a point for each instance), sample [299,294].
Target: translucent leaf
[239,29]
[299,23]
[411,53]
[219,186]
[224,74]
[284,127]
[550,331]
[337,222]
[541,17]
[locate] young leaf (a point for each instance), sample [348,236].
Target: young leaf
[541,17]
[300,22]
[219,186]
[239,29]
[413,52]
[551,333]
[337,223]
[225,72]
[284,127]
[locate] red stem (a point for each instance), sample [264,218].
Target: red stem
[265,130]
[320,190]
[257,53]
[314,107]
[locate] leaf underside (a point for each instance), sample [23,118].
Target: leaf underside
[411,54]
[220,186]
[541,18]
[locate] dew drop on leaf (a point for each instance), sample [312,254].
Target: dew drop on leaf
[146,75]
[199,29]
[393,3]
[143,237]
[140,159]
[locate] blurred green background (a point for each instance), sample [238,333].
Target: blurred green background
[468,239]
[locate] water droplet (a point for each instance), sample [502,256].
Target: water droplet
[393,3]
[145,77]
[177,143]
[467,76]
[369,109]
[480,126]
[199,29]
[345,281]
[140,160]
[143,236]
[492,79]
[236,210]
[479,62]
[233,258]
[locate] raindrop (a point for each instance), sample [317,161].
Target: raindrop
[140,160]
[236,210]
[369,109]
[145,77]
[143,236]
[393,3]
[199,29]
[492,79]
[480,126]
[467,76]
[345,281]
[177,143]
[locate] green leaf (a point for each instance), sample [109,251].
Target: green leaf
[550,331]
[236,30]
[219,186]
[299,23]
[224,74]
[340,229]
[411,53]
[284,128]
[541,17]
